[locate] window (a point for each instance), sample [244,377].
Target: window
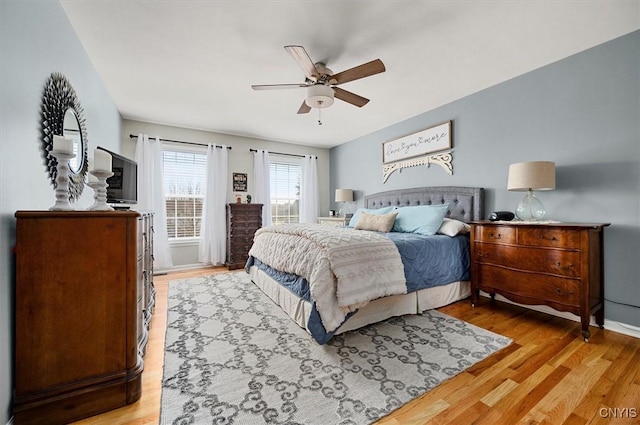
[184,180]
[284,179]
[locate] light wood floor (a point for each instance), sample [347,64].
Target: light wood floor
[548,375]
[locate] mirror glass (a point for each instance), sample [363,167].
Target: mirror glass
[62,114]
[71,130]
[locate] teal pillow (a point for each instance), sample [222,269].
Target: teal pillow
[421,219]
[356,215]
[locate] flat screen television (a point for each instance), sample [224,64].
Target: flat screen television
[123,185]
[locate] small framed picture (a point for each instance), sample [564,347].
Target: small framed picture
[239,182]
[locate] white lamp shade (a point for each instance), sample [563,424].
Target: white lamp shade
[536,175]
[344,195]
[319,96]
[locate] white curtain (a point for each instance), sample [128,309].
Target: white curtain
[212,249]
[309,190]
[151,196]
[261,184]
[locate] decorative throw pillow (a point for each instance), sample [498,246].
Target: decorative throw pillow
[376,222]
[451,227]
[421,219]
[356,215]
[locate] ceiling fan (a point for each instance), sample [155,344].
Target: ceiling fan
[321,82]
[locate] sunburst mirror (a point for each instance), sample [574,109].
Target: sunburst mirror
[62,115]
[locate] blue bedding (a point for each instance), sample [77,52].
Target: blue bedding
[432,260]
[428,261]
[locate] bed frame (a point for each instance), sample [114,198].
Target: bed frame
[465,204]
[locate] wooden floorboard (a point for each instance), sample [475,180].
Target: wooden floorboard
[549,375]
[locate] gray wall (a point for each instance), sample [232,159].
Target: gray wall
[36,40]
[582,112]
[240,161]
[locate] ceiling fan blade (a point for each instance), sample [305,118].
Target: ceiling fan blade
[277,86]
[304,108]
[349,97]
[305,62]
[361,71]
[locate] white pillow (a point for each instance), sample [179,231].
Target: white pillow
[451,227]
[376,222]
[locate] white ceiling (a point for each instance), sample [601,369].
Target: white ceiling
[191,63]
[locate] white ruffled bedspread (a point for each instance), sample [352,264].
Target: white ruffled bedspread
[345,268]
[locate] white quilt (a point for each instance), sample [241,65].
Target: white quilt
[345,268]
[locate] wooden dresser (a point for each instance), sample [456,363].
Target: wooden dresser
[83,301]
[242,222]
[557,265]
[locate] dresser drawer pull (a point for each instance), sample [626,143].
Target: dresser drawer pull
[545,238]
[495,236]
[561,292]
[561,267]
[481,255]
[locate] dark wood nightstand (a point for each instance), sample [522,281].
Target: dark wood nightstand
[559,265]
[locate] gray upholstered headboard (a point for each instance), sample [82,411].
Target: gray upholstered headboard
[465,203]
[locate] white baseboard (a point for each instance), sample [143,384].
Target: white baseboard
[622,328]
[183,267]
[609,325]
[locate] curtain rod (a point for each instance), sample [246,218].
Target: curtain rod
[133,136]
[280,153]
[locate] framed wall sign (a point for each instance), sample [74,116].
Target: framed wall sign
[432,139]
[239,182]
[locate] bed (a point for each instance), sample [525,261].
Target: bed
[295,289]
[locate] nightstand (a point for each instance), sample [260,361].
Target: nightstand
[559,265]
[334,221]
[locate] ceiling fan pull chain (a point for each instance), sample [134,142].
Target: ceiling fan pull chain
[319,116]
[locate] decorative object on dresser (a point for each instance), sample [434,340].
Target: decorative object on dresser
[61,114]
[63,152]
[83,301]
[530,176]
[101,171]
[242,222]
[559,265]
[342,196]
[333,221]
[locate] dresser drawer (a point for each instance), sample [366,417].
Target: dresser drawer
[495,234]
[539,260]
[539,287]
[242,232]
[242,240]
[559,238]
[250,216]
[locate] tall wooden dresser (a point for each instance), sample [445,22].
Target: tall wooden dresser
[242,222]
[559,265]
[83,300]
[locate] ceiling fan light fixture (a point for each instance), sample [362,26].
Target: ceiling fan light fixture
[319,96]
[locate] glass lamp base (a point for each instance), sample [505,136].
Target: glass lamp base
[530,208]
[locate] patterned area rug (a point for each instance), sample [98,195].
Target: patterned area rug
[233,357]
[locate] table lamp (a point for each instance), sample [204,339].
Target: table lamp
[527,177]
[342,196]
